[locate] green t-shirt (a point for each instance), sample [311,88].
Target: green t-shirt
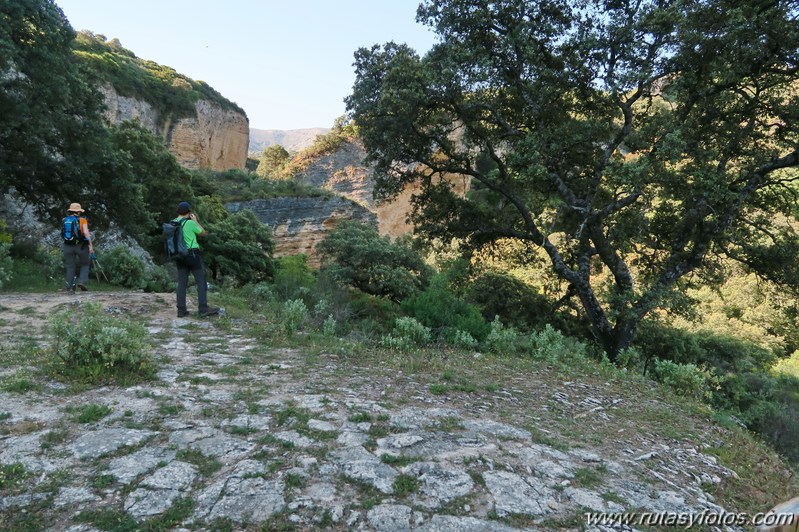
[190,232]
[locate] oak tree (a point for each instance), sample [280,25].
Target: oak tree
[635,142]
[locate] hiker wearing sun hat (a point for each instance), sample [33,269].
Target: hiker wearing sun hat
[76,247]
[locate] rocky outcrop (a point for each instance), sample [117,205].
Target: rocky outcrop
[345,173]
[299,224]
[215,138]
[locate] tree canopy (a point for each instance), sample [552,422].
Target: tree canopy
[637,143]
[50,115]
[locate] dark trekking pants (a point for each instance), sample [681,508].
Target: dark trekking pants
[194,264]
[74,255]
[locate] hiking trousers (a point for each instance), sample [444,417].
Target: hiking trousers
[194,264]
[76,255]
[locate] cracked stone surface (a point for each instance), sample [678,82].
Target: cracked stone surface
[259,436]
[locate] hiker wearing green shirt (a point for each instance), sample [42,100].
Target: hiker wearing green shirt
[192,263]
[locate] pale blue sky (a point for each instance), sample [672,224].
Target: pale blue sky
[287,63]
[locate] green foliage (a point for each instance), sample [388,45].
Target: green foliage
[788,366]
[145,185]
[170,93]
[553,346]
[123,268]
[407,334]
[95,347]
[51,123]
[237,185]
[461,339]
[89,413]
[12,475]
[293,276]
[685,379]
[612,141]
[294,315]
[239,249]
[329,326]
[273,160]
[355,254]
[501,339]
[437,308]
[502,295]
[6,266]
[159,279]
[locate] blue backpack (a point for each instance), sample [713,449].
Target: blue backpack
[70,230]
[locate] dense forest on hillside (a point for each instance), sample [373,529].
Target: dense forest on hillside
[724,332]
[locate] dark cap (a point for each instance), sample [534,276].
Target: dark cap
[184,207]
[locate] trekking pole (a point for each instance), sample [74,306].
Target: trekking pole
[100,269]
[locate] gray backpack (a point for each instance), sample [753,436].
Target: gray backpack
[175,243]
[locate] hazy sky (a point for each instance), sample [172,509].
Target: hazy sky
[287,63]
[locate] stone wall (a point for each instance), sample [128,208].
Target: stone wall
[215,138]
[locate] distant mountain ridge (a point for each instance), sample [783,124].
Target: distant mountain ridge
[291,139]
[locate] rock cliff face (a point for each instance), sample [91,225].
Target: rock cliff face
[216,138]
[299,224]
[345,173]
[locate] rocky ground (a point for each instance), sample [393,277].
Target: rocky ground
[235,434]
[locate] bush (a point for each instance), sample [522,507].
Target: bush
[355,254]
[502,340]
[123,268]
[551,345]
[685,379]
[5,263]
[239,249]
[461,339]
[407,334]
[293,277]
[439,309]
[96,347]
[723,354]
[517,303]
[159,279]
[294,315]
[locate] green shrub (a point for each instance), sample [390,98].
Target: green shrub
[462,339]
[439,309]
[407,334]
[355,254]
[776,421]
[293,277]
[258,295]
[294,315]
[159,279]
[95,347]
[501,339]
[329,326]
[788,366]
[551,345]
[123,268]
[518,304]
[239,249]
[5,263]
[685,379]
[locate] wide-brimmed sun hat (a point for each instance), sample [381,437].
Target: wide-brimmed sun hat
[75,207]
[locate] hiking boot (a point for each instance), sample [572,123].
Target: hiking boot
[82,287]
[210,311]
[183,313]
[69,289]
